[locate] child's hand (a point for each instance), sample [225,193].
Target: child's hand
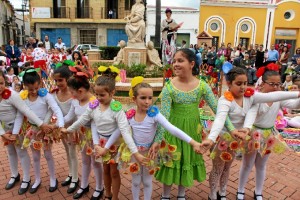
[99,151]
[141,159]
[153,150]
[64,131]
[240,134]
[46,128]
[206,145]
[13,138]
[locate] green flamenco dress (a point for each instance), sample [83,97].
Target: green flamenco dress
[181,109]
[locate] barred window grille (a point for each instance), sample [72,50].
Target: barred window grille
[88,37]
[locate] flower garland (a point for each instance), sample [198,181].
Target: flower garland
[42,92]
[6,94]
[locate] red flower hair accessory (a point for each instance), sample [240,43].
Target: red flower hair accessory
[269,67]
[81,71]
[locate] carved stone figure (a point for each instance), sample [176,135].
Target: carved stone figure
[153,58]
[135,27]
[119,59]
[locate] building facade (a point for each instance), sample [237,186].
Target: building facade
[189,17]
[251,21]
[80,21]
[7,22]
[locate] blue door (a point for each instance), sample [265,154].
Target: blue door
[54,33]
[115,35]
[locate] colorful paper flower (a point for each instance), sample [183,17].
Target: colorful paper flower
[279,148]
[24,94]
[225,156]
[130,113]
[256,135]
[222,146]
[213,155]
[227,137]
[92,98]
[270,142]
[126,155]
[256,145]
[267,151]
[266,133]
[37,145]
[113,148]
[106,157]
[134,168]
[234,145]
[163,144]
[172,148]
[115,106]
[249,92]
[42,92]
[102,142]
[152,111]
[6,93]
[250,145]
[89,151]
[111,161]
[94,104]
[228,95]
[151,171]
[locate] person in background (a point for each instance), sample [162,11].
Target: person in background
[192,48]
[110,14]
[69,54]
[247,64]
[283,61]
[287,83]
[13,53]
[31,43]
[211,56]
[295,56]
[260,57]
[60,44]
[47,43]
[273,55]
[183,44]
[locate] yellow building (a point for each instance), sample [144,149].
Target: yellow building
[99,22]
[251,21]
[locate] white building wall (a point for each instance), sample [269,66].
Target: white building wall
[189,17]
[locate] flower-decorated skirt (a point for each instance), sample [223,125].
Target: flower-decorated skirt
[111,157]
[265,141]
[191,165]
[226,147]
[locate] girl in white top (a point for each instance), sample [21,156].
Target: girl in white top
[64,98]
[40,101]
[237,104]
[79,86]
[10,117]
[108,116]
[264,137]
[144,121]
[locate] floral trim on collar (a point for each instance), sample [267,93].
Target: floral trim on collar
[115,106]
[130,113]
[228,95]
[24,94]
[249,92]
[152,111]
[42,92]
[94,104]
[6,94]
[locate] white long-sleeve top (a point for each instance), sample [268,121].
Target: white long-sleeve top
[238,114]
[106,122]
[64,106]
[41,105]
[143,132]
[266,114]
[10,114]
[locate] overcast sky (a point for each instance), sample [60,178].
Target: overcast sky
[169,3]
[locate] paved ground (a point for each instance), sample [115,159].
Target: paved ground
[283,180]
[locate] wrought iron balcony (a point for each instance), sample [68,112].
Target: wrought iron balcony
[60,12]
[84,12]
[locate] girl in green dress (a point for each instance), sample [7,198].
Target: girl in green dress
[180,100]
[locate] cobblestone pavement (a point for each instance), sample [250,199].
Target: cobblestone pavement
[282,182]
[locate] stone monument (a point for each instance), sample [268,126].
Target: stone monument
[153,58]
[119,59]
[135,52]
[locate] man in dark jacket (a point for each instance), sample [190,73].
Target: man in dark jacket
[13,53]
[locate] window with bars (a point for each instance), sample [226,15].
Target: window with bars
[88,37]
[244,42]
[129,4]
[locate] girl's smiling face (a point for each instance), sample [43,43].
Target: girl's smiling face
[103,96]
[182,65]
[61,82]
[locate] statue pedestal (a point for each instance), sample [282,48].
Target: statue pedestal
[135,56]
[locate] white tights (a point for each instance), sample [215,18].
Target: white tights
[36,155]
[219,175]
[87,162]
[72,160]
[167,191]
[249,160]
[13,153]
[144,177]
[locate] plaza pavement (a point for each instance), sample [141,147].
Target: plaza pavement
[282,181]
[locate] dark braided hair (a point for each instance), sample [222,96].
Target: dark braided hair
[269,73]
[31,77]
[107,79]
[234,72]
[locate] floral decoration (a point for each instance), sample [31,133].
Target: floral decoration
[228,95]
[256,135]
[42,92]
[6,93]
[24,94]
[113,148]
[250,145]
[266,133]
[115,106]
[134,168]
[270,142]
[102,142]
[213,155]
[152,111]
[94,104]
[227,137]
[234,145]
[225,156]
[249,92]
[163,144]
[130,113]
[222,146]
[279,148]
[89,151]
[37,145]
[256,145]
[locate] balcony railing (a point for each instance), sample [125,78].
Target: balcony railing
[120,13]
[84,12]
[60,12]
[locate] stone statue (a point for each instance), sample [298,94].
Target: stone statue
[153,58]
[119,59]
[135,27]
